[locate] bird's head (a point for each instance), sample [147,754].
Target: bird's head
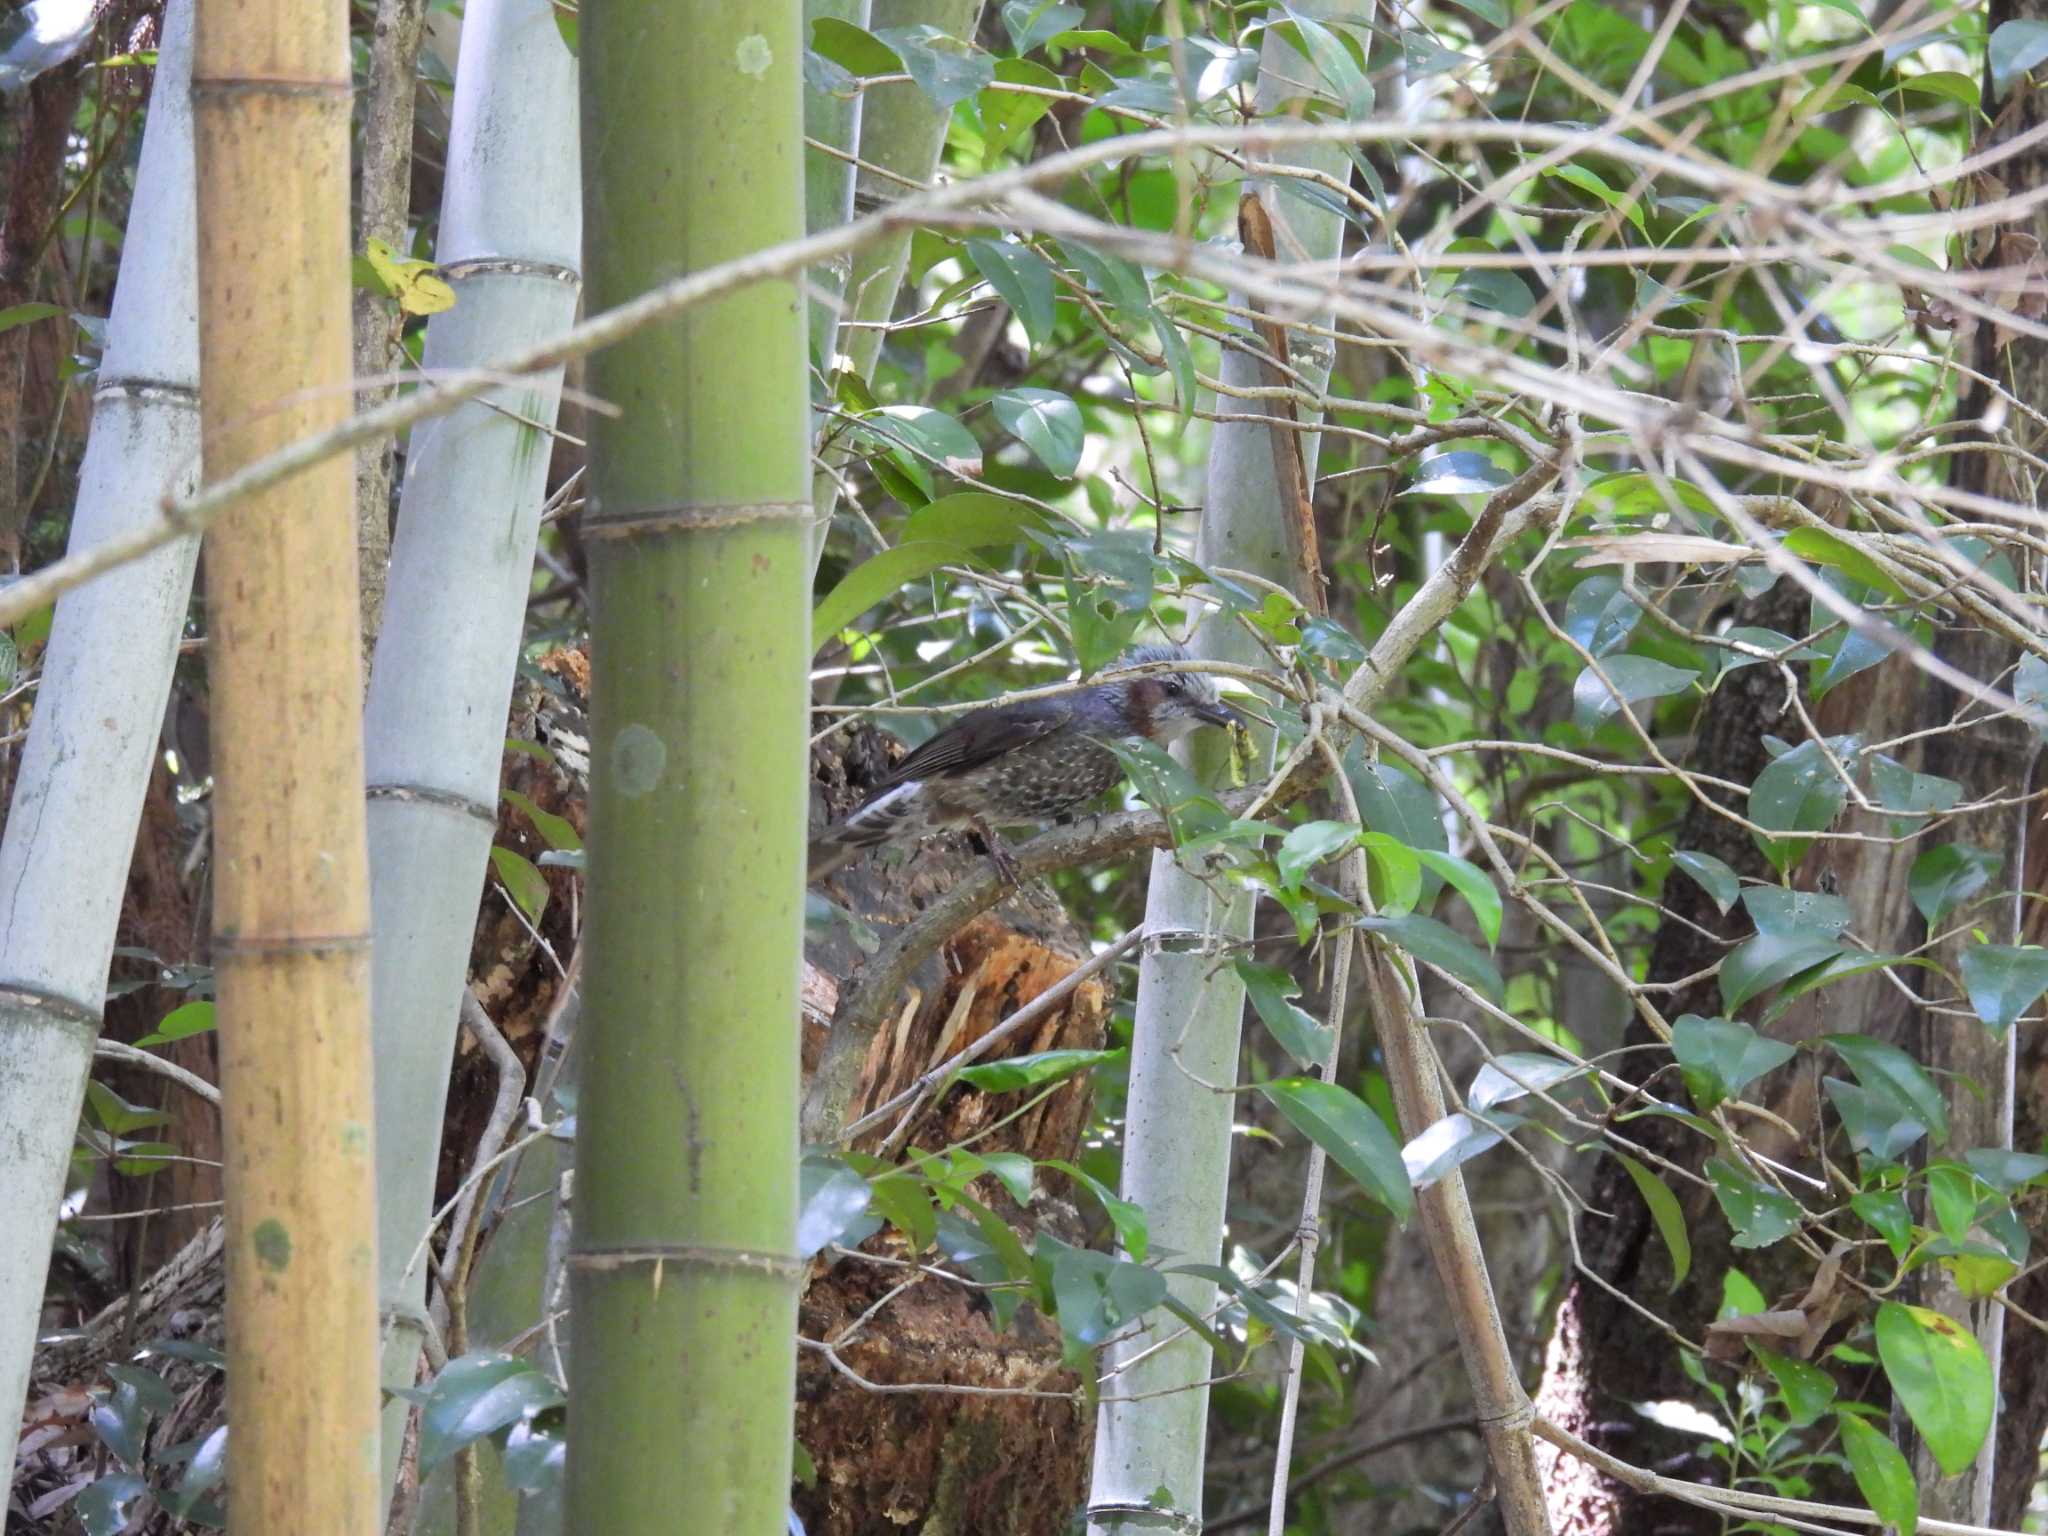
[1165,706]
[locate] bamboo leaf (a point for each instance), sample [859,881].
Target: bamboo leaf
[1665,1213]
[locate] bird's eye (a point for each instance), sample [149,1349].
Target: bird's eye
[1175,685]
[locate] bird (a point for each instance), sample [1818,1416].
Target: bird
[1029,761]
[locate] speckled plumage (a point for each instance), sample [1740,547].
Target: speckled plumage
[1031,761]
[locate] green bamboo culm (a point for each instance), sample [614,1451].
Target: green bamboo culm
[683,1271]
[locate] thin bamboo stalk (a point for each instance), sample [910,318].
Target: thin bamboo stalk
[270,99]
[682,1265]
[71,831]
[510,242]
[1189,1007]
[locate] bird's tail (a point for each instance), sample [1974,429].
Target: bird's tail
[882,820]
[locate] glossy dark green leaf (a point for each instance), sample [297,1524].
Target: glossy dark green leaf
[1664,1211]
[1133,1233]
[1299,1033]
[1341,1123]
[1878,1062]
[1024,280]
[1881,1125]
[1311,844]
[107,1504]
[1034,1071]
[1031,23]
[1046,422]
[2003,1169]
[1431,942]
[1600,692]
[1769,958]
[1885,1210]
[1939,1374]
[536,1455]
[1496,289]
[1800,792]
[1759,1214]
[1721,1057]
[1601,614]
[1945,877]
[1714,876]
[2004,981]
[477,1395]
[1515,1075]
[833,1198]
[945,69]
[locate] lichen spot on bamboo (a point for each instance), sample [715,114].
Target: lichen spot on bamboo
[273,1245]
[754,55]
[638,758]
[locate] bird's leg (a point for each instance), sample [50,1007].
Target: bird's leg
[998,850]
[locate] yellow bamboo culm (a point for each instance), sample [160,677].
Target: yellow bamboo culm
[270,90]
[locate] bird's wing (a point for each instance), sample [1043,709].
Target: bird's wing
[980,738]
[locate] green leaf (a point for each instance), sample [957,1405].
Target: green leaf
[1665,1213]
[1033,1071]
[1759,1214]
[1628,679]
[1133,1233]
[1006,116]
[1516,1074]
[477,1395]
[972,520]
[1190,810]
[1452,1141]
[1024,280]
[1119,281]
[1300,1034]
[181,1023]
[1721,1057]
[27,314]
[854,49]
[1429,940]
[527,885]
[1769,958]
[2003,1169]
[1395,873]
[1470,882]
[1031,23]
[1885,1211]
[1945,877]
[1496,289]
[880,577]
[1339,70]
[1881,1125]
[2004,981]
[1464,472]
[1714,877]
[1876,1063]
[555,830]
[1823,547]
[1952,1196]
[1799,792]
[925,434]
[945,69]
[1951,84]
[1899,788]
[1806,1388]
[1310,844]
[1047,423]
[1601,614]
[1882,1473]
[834,1197]
[536,1454]
[1940,1376]
[107,1503]
[2016,47]
[1347,1129]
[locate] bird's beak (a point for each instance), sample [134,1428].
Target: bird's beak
[1218,714]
